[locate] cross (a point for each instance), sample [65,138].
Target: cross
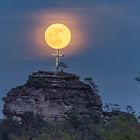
[58,56]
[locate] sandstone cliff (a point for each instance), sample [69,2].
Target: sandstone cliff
[54,95]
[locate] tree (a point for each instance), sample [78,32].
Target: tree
[106,107]
[62,66]
[92,84]
[9,127]
[32,124]
[121,128]
[138,78]
[111,107]
[130,109]
[33,127]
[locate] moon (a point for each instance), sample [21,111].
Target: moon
[58,36]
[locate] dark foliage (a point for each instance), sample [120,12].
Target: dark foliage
[138,78]
[33,127]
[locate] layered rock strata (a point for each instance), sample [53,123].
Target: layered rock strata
[53,95]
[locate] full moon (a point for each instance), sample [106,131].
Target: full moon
[57,36]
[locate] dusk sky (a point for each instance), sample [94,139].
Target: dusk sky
[105,44]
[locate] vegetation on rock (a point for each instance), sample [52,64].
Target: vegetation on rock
[34,127]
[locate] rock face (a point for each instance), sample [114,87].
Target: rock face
[54,95]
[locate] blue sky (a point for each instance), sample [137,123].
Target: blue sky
[109,52]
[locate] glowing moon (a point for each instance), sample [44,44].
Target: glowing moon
[58,36]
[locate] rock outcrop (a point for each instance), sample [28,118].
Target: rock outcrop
[54,95]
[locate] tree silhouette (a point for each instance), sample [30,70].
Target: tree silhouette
[111,107]
[138,78]
[130,109]
[62,66]
[92,84]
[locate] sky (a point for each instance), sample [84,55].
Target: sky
[105,44]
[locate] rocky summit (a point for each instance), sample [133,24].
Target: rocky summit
[53,95]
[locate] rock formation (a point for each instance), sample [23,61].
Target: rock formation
[54,95]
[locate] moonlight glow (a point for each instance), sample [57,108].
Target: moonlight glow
[57,36]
